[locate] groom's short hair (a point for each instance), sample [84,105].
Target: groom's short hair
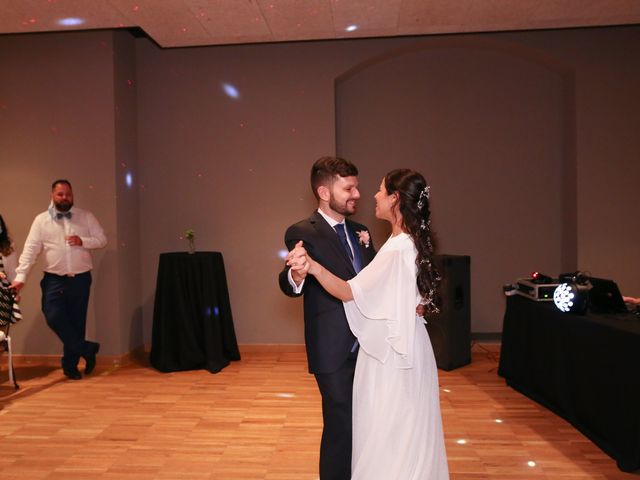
[325,170]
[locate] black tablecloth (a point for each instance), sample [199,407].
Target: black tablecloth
[585,368]
[192,321]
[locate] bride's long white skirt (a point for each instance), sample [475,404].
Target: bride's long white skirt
[397,427]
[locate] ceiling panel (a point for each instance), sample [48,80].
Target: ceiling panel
[304,20]
[21,16]
[169,23]
[443,16]
[231,21]
[176,23]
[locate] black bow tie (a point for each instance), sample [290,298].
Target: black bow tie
[64,214]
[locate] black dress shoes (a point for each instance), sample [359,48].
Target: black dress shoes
[90,358]
[72,374]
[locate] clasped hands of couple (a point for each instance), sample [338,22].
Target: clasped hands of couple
[301,263]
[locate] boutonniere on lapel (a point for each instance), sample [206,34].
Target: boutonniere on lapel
[364,238]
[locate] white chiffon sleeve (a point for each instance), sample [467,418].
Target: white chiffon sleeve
[382,314]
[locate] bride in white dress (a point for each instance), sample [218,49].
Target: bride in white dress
[397,426]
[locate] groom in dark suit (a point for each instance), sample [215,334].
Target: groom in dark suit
[343,247]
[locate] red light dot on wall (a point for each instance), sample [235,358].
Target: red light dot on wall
[183,29]
[136,8]
[131,83]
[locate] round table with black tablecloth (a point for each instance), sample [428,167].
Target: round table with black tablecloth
[192,320]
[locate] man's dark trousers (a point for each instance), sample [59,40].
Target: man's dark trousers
[335,448]
[65,300]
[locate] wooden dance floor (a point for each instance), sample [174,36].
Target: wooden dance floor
[259,419]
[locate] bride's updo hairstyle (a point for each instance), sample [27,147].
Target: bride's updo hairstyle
[413,194]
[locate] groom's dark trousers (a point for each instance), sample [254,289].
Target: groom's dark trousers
[335,448]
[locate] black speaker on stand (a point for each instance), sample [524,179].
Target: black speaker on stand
[450,330]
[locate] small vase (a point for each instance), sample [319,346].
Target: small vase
[192,247]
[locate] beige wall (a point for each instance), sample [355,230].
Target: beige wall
[483,120]
[57,122]
[236,171]
[128,333]
[606,65]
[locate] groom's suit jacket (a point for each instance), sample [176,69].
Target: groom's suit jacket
[327,336]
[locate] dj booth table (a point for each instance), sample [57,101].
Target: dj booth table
[192,321]
[585,368]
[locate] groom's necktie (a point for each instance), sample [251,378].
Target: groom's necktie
[342,235]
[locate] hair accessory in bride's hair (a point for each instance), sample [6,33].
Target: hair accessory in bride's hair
[430,299]
[430,303]
[425,225]
[425,193]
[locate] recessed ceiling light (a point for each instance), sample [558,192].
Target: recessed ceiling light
[351,28]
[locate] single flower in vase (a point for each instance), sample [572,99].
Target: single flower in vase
[190,235]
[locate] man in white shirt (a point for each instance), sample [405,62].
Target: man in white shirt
[66,235]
